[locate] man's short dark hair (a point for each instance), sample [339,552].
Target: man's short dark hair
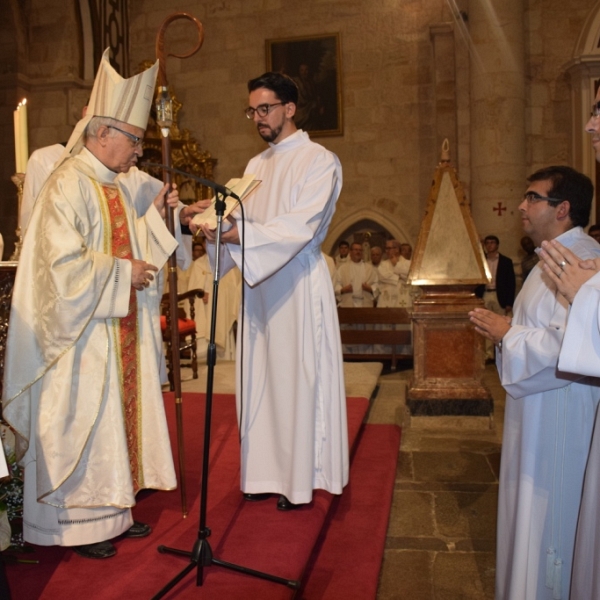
[493,238]
[284,87]
[569,184]
[593,228]
[343,243]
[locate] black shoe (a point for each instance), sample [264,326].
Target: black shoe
[284,504]
[257,497]
[138,530]
[98,550]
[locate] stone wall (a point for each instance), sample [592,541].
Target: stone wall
[407,77]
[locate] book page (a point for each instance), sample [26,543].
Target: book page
[242,187]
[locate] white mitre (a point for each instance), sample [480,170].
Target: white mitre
[126,100]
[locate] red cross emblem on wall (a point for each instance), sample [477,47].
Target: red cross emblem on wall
[499,208]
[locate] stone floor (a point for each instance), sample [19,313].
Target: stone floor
[442,529]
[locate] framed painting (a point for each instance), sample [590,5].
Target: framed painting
[314,63]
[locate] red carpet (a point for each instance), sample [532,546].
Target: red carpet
[345,535]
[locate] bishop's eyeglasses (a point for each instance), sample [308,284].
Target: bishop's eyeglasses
[262,109]
[135,140]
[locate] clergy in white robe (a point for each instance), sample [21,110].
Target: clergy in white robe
[548,425]
[69,362]
[580,353]
[81,386]
[291,402]
[549,413]
[356,282]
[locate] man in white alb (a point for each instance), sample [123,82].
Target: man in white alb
[293,408]
[356,282]
[549,414]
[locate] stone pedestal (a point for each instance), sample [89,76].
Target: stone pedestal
[449,356]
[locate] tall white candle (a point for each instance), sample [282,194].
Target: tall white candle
[17,141]
[24,136]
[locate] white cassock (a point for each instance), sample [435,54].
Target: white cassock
[547,431]
[580,353]
[293,408]
[228,308]
[83,391]
[355,274]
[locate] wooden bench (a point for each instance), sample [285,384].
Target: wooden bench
[389,337]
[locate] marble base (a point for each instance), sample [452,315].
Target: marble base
[449,357]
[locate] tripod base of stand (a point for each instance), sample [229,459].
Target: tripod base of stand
[201,556]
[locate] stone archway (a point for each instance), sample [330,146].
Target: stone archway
[341,228]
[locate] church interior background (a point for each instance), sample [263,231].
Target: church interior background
[508,82]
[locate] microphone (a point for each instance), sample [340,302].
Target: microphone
[217,187]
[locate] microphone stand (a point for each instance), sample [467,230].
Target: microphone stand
[201,554]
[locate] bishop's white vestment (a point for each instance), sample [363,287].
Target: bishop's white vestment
[81,383]
[291,403]
[548,426]
[580,353]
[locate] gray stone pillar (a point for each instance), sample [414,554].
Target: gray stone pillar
[498,141]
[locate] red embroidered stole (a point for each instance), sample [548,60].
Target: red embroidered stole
[127,332]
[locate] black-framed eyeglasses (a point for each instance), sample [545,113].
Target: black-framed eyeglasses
[136,141]
[595,110]
[534,197]
[262,109]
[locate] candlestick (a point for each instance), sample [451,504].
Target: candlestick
[18,179]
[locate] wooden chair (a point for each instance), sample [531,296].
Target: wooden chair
[187,330]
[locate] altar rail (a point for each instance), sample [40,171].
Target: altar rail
[370,317]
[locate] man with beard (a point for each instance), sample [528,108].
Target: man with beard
[292,415]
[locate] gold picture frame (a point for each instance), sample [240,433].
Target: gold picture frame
[314,63]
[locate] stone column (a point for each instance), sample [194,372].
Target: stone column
[498,140]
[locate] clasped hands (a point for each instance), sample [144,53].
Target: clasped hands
[348,289]
[566,269]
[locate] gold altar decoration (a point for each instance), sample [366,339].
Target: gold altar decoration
[448,263]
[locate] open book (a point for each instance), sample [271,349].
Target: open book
[242,187]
